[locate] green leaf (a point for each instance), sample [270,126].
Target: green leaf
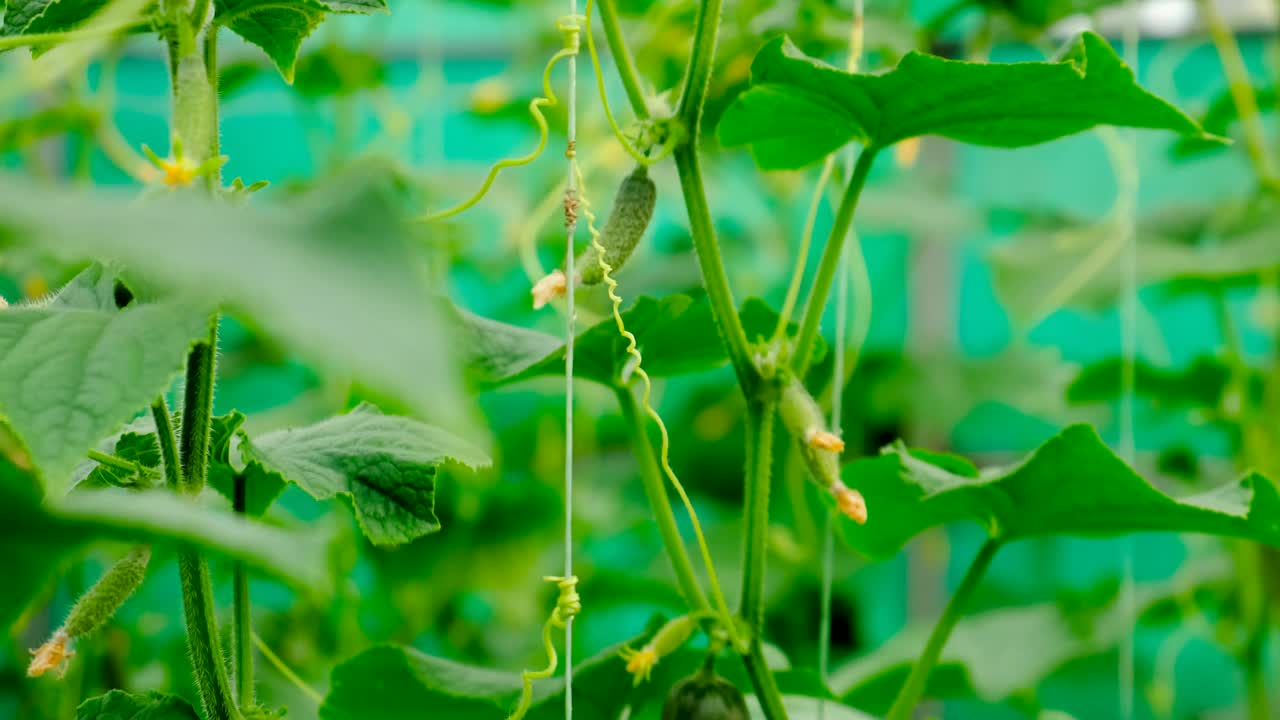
[1040,14]
[76,369]
[331,276]
[262,486]
[411,681]
[995,654]
[1028,272]
[335,70]
[675,335]
[298,557]
[386,465]
[25,17]
[1198,385]
[798,109]
[121,705]
[35,539]
[136,443]
[280,27]
[1073,484]
[1219,119]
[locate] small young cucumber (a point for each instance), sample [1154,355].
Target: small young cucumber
[632,211]
[100,603]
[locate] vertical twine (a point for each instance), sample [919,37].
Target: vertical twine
[571,226]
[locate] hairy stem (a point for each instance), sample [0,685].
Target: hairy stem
[169,462]
[914,688]
[655,489]
[203,639]
[705,244]
[760,418]
[830,263]
[622,57]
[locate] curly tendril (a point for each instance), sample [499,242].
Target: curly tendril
[568,605]
[569,31]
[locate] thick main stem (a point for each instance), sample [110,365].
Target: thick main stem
[914,688]
[830,263]
[705,244]
[655,490]
[203,639]
[760,417]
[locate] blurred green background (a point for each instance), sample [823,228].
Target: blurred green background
[954,358]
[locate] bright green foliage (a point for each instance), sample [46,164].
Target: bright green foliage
[995,654]
[137,444]
[385,464]
[73,118]
[1073,484]
[25,17]
[121,705]
[798,110]
[330,276]
[71,374]
[280,27]
[676,334]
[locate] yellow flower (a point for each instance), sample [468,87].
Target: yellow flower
[53,655]
[640,663]
[177,173]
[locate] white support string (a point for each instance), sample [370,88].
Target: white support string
[571,226]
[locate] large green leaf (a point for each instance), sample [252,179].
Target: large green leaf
[675,335]
[385,464]
[280,27]
[77,368]
[121,705]
[996,654]
[36,539]
[394,682]
[1073,484]
[331,276]
[798,109]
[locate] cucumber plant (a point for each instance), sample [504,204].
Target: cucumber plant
[101,442]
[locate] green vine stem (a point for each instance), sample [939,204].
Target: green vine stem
[914,687]
[1242,95]
[830,263]
[760,417]
[655,489]
[689,169]
[207,659]
[622,58]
